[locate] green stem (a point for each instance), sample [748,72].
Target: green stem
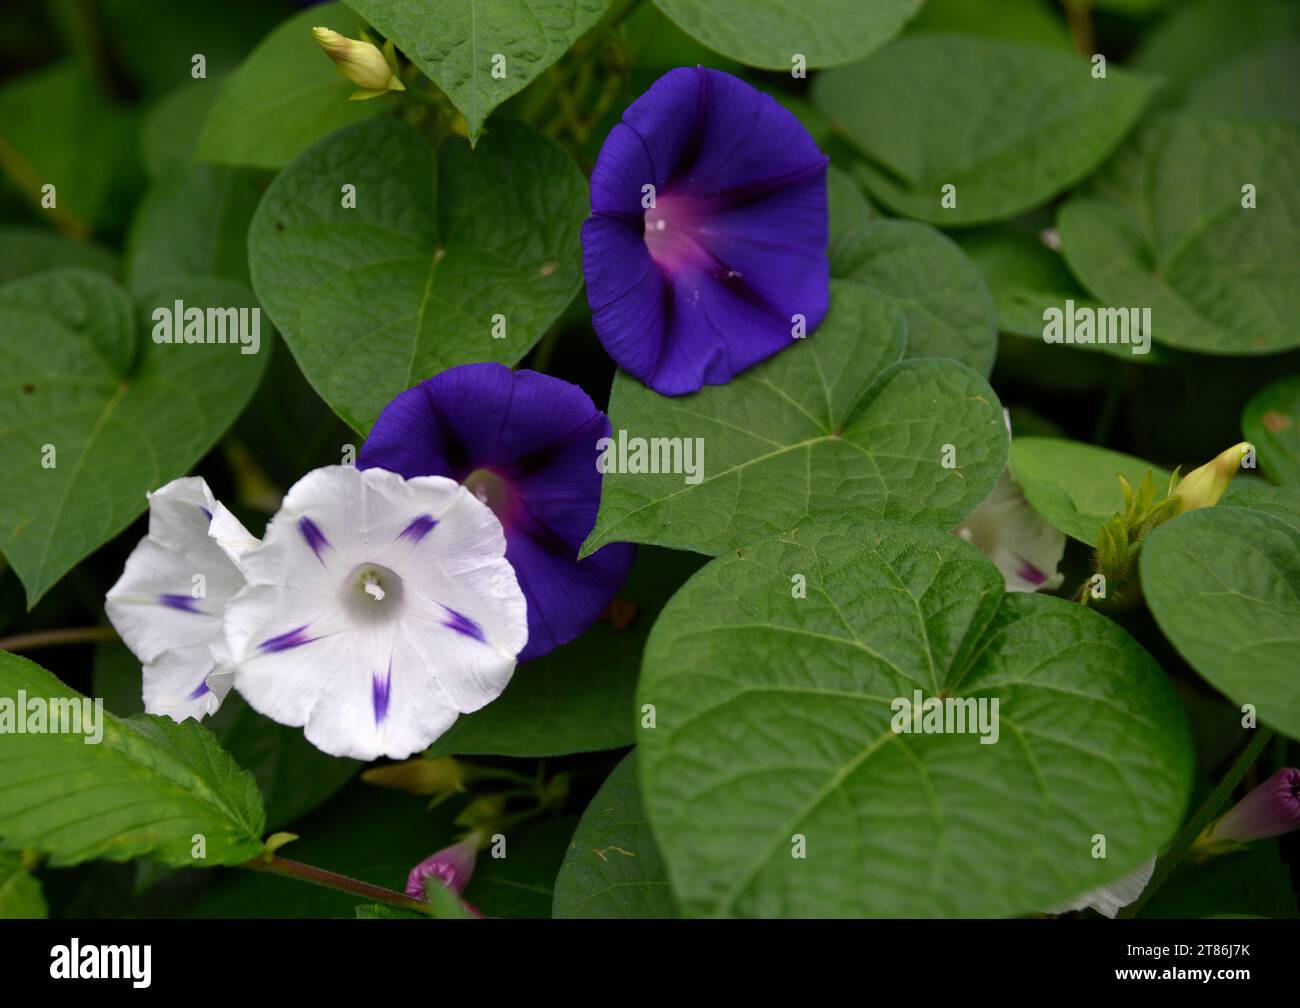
[1197,823]
[55,638]
[333,880]
[1079,16]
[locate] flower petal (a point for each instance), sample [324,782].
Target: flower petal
[185,682]
[538,434]
[1109,899]
[371,682]
[1024,546]
[169,602]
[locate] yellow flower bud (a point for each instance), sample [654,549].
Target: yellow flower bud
[442,776]
[1204,486]
[361,62]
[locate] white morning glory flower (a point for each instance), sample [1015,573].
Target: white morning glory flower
[1025,548]
[1019,541]
[378,609]
[1108,900]
[169,602]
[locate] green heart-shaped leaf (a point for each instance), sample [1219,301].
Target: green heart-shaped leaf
[144,789]
[1075,486]
[1281,502]
[835,426]
[480,52]
[1008,124]
[1164,226]
[1224,585]
[613,868]
[779,783]
[94,414]
[949,310]
[432,259]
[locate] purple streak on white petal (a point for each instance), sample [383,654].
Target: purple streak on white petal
[200,690]
[419,528]
[380,689]
[312,533]
[290,639]
[463,624]
[183,603]
[1031,573]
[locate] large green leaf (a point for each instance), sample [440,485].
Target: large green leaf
[146,788]
[949,310]
[1282,503]
[578,698]
[460,43]
[836,426]
[1163,226]
[292,774]
[775,719]
[1009,124]
[613,867]
[124,415]
[371,300]
[1271,421]
[285,96]
[768,33]
[1224,585]
[1075,486]
[193,222]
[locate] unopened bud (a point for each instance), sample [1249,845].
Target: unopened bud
[1204,486]
[442,776]
[361,62]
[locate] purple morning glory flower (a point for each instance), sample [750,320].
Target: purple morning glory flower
[707,238]
[525,444]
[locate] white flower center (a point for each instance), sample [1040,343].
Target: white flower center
[372,592]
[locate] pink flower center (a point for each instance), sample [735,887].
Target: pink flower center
[671,233]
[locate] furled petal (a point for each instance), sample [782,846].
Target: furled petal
[185,682]
[1269,810]
[377,610]
[169,602]
[1023,545]
[452,866]
[710,279]
[537,436]
[1109,899]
